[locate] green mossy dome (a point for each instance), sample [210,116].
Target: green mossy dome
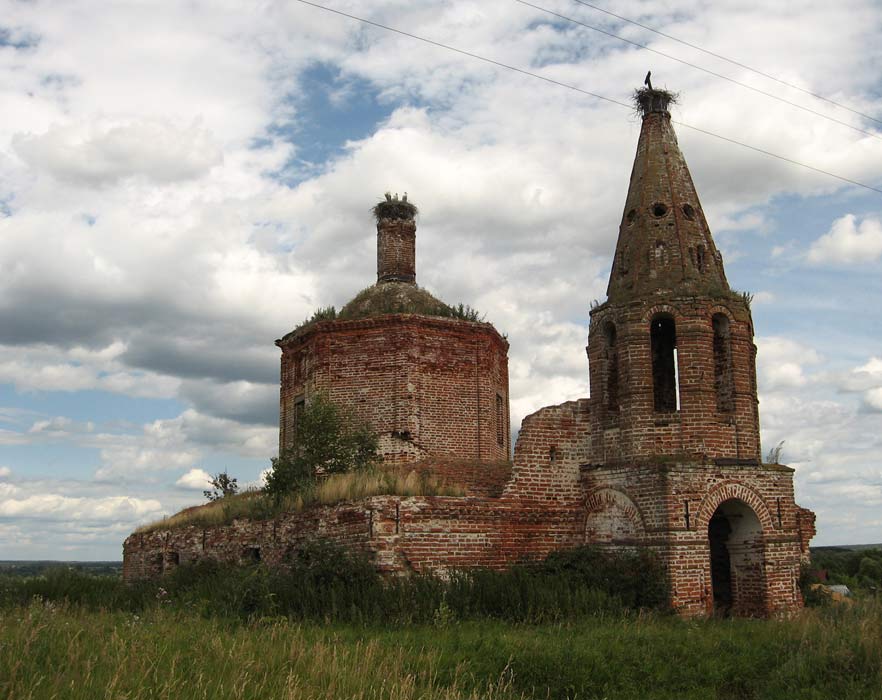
[394,298]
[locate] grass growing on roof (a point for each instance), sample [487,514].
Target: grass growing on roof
[330,490]
[402,298]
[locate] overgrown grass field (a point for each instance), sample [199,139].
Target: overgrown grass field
[49,650]
[583,623]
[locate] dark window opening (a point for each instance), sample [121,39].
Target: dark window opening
[718,532]
[552,454]
[723,371]
[612,367]
[663,338]
[700,258]
[299,407]
[688,212]
[659,209]
[623,263]
[251,554]
[500,420]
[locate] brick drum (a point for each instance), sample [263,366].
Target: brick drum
[664,455]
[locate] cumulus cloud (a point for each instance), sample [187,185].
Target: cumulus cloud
[848,241]
[873,400]
[159,227]
[100,153]
[195,479]
[781,362]
[58,507]
[5,472]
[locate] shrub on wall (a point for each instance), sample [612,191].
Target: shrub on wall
[328,439]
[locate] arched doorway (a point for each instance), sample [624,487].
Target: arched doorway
[737,560]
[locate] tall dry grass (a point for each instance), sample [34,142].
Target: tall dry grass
[329,490]
[51,651]
[54,652]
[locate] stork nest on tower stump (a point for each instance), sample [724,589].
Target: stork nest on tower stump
[648,100]
[394,208]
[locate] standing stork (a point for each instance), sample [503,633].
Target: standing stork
[648,82]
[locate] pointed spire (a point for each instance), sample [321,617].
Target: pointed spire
[665,245]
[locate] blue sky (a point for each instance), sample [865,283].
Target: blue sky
[181,184]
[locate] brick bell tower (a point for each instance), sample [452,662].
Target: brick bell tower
[672,359]
[675,457]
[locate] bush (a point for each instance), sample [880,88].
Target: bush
[322,582]
[328,439]
[222,486]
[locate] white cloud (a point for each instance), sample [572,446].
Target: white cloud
[58,507]
[41,367]
[781,362]
[101,153]
[5,472]
[763,297]
[151,252]
[873,399]
[848,242]
[8,490]
[197,479]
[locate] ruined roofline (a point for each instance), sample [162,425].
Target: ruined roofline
[388,318]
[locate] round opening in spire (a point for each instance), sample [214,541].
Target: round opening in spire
[659,209]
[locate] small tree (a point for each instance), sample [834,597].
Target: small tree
[328,439]
[222,485]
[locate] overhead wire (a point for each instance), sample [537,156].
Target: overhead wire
[730,60]
[581,90]
[700,68]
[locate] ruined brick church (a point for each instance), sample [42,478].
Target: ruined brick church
[664,455]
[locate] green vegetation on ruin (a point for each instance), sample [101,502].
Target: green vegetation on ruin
[392,298]
[333,489]
[334,459]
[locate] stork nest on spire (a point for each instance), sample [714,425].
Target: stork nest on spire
[394,208]
[648,100]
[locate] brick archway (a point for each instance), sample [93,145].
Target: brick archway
[733,490]
[611,516]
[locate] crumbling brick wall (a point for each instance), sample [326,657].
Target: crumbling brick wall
[429,386]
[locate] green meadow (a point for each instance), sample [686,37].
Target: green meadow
[55,651]
[581,624]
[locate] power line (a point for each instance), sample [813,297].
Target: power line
[580,90]
[730,60]
[704,70]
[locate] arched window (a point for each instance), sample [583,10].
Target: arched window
[612,367]
[723,374]
[663,336]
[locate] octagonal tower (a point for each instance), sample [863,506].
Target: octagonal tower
[431,379]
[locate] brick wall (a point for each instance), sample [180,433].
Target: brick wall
[668,507]
[396,250]
[429,386]
[632,428]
